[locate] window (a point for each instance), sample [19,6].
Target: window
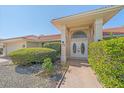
[82,48]
[79,34]
[74,48]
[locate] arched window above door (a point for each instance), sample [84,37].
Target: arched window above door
[79,34]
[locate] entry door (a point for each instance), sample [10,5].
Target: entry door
[79,48]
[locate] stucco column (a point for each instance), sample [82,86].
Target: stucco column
[63,44]
[98,26]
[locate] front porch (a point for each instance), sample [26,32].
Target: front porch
[75,39]
[89,27]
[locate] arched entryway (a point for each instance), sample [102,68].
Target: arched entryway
[79,45]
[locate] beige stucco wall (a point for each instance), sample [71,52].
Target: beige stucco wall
[98,26]
[12,46]
[64,43]
[19,44]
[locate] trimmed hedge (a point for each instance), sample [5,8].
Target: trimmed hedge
[29,55]
[107,59]
[54,45]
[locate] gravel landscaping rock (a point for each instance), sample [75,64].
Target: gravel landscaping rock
[28,69]
[12,76]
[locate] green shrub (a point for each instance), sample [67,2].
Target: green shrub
[54,45]
[48,66]
[107,59]
[28,55]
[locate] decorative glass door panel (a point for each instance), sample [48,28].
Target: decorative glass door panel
[78,48]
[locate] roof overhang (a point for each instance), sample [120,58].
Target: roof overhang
[12,40]
[18,40]
[87,18]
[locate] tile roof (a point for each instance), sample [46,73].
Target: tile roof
[115,30]
[30,37]
[55,37]
[50,37]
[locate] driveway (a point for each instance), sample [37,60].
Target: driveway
[12,76]
[4,60]
[80,75]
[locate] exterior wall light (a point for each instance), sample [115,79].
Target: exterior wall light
[62,42]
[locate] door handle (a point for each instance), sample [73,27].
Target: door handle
[78,50]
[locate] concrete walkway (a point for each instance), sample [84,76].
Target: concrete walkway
[4,59]
[80,75]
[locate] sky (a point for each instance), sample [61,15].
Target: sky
[18,21]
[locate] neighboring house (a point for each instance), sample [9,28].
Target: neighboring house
[80,29]
[12,44]
[113,32]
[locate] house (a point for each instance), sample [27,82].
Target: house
[76,32]
[80,29]
[37,41]
[11,44]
